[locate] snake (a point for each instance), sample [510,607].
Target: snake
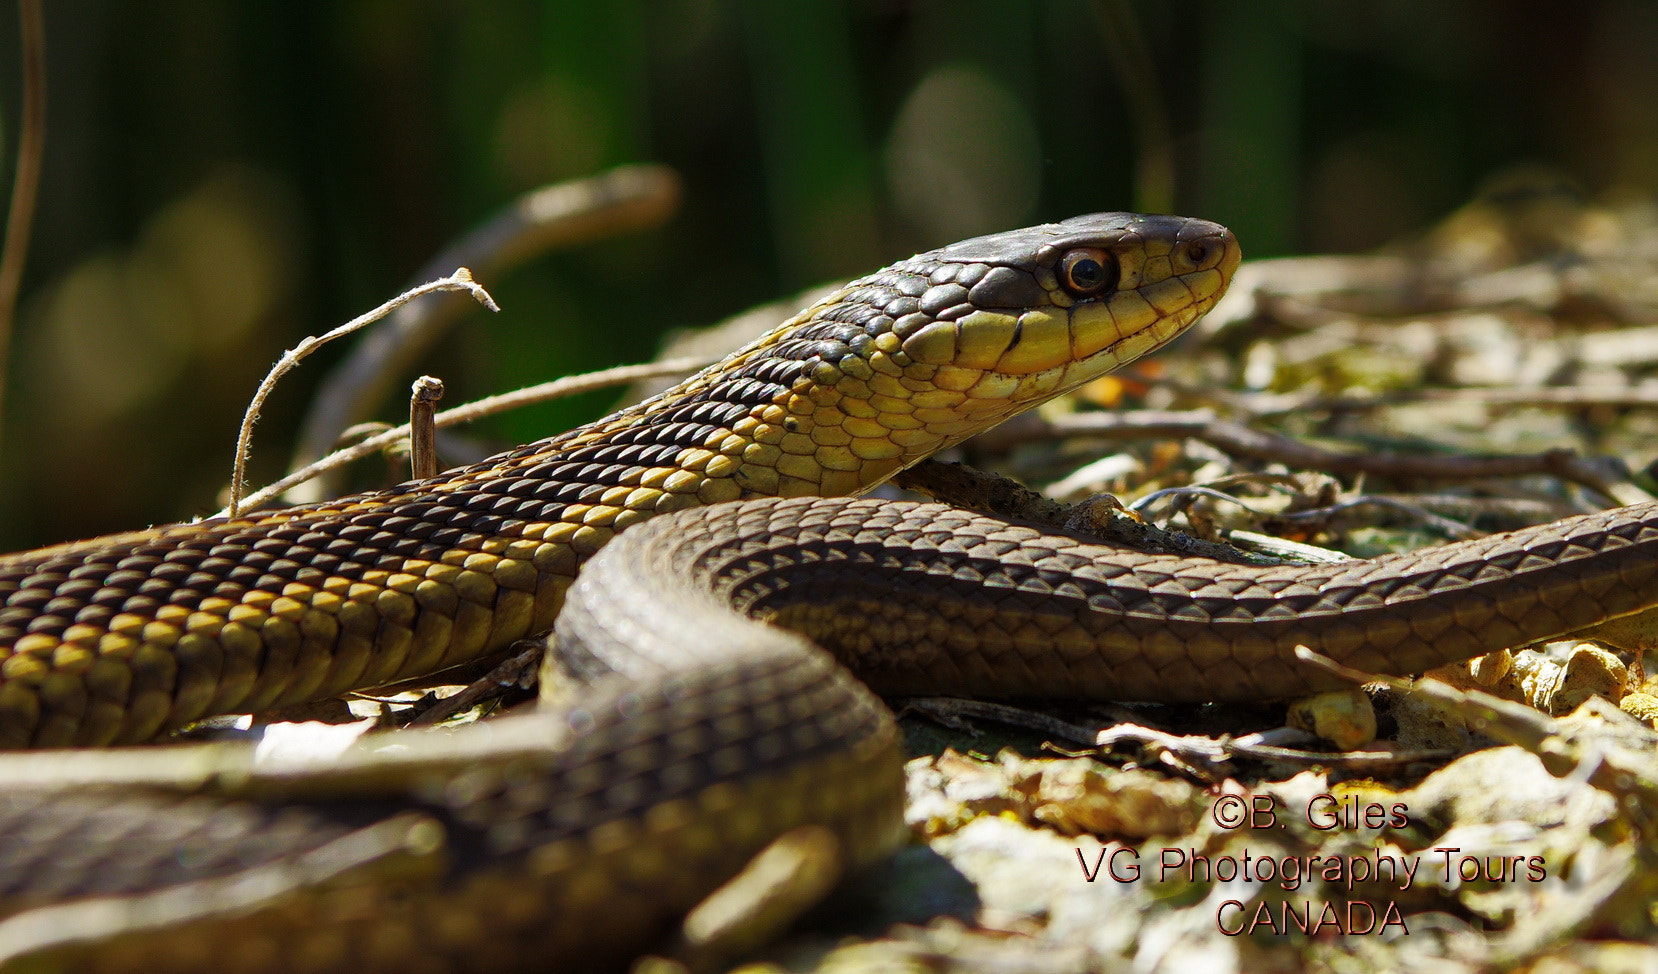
[713,680]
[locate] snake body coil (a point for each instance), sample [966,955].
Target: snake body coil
[582,834]
[690,736]
[116,639]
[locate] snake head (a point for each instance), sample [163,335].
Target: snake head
[917,357]
[1024,315]
[959,339]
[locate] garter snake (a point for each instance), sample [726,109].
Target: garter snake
[574,837]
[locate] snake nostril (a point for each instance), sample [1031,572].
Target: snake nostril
[1197,251]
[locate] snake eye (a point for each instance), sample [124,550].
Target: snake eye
[1087,271]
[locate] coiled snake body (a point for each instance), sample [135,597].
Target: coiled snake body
[576,836]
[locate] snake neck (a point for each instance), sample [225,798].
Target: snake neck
[831,403]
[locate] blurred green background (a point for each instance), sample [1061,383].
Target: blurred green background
[226,176]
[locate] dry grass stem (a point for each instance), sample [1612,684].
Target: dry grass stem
[461,280]
[478,409]
[563,215]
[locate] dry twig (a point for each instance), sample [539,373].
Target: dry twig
[478,409]
[460,280]
[1240,441]
[563,215]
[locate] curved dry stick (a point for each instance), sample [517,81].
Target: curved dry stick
[460,281]
[623,199]
[477,409]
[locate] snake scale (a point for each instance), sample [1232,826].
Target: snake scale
[688,736]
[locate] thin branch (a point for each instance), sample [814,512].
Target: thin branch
[1324,512]
[516,673]
[461,280]
[478,409]
[1237,440]
[1271,405]
[563,215]
[1264,746]
[31,146]
[954,712]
